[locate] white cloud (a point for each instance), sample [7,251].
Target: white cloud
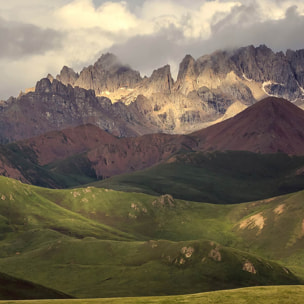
[146,34]
[109,16]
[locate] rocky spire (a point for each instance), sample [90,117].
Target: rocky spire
[67,76]
[187,74]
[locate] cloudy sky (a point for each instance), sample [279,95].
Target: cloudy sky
[40,36]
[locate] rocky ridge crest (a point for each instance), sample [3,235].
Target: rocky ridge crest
[116,98]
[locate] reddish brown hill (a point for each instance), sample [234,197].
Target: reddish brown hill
[132,154]
[271,125]
[58,145]
[108,155]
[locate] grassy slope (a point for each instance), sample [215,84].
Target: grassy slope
[13,288]
[281,235]
[25,160]
[256,295]
[95,242]
[22,209]
[96,268]
[219,177]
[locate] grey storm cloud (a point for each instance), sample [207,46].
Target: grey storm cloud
[239,28]
[279,35]
[19,39]
[148,52]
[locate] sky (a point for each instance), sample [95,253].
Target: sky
[41,36]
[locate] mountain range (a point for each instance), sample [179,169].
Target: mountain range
[117,99]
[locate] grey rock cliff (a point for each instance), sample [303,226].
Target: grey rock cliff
[107,74]
[55,106]
[160,81]
[67,76]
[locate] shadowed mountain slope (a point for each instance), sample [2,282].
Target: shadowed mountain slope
[16,289]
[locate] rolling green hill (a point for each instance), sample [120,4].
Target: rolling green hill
[92,242]
[216,177]
[97,268]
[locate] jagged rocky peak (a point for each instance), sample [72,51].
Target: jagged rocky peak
[255,62]
[275,74]
[67,76]
[186,66]
[107,75]
[45,86]
[187,75]
[296,59]
[161,80]
[50,77]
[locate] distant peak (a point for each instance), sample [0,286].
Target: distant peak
[188,58]
[165,70]
[107,61]
[67,75]
[186,64]
[50,77]
[66,69]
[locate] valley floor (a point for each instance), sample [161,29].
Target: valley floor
[256,295]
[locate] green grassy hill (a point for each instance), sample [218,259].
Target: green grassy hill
[257,295]
[97,268]
[217,177]
[92,242]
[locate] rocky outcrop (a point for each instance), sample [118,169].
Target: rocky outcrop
[160,81]
[55,106]
[187,75]
[274,71]
[107,75]
[67,76]
[296,59]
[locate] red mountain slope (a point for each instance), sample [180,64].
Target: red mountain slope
[58,145]
[269,126]
[108,155]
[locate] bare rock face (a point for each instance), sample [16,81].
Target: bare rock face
[296,59]
[274,70]
[186,79]
[54,106]
[67,76]
[160,81]
[107,75]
